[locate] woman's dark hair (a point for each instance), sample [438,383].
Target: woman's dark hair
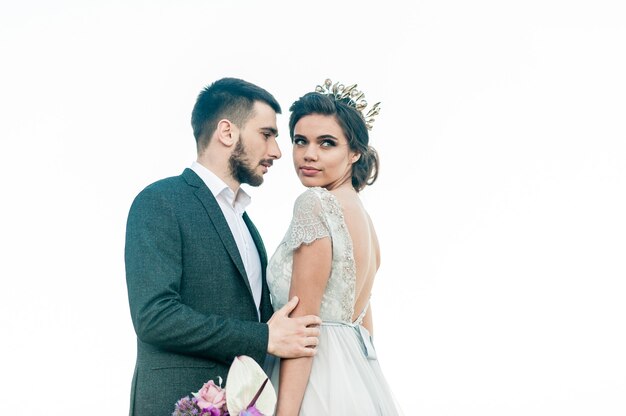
[364,170]
[229,98]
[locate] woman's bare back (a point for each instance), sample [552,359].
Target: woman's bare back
[365,247]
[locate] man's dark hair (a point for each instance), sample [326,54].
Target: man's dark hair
[228,98]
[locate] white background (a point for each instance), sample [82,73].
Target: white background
[500,204]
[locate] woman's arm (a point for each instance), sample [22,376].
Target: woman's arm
[311,270]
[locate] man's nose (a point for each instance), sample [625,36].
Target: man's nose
[274,149]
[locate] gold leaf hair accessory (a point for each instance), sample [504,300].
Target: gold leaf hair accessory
[351,96]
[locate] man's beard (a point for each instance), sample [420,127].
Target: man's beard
[240,166]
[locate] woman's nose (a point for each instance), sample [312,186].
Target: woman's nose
[310,153]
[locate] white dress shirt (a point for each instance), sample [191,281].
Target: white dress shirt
[233,207]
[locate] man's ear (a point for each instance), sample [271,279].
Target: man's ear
[226,132]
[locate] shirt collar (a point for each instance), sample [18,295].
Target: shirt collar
[219,188]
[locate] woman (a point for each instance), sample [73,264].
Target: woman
[329,258]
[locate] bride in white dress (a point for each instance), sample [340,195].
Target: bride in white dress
[328,258]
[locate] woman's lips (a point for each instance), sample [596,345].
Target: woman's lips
[309,171]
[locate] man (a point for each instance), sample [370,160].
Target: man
[195,263]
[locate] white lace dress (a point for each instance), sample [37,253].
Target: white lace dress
[346,378]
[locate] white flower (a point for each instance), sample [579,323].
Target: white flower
[245,379]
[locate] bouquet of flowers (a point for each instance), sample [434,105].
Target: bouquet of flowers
[248,392]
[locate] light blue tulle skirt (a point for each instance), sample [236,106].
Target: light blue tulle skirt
[346,378]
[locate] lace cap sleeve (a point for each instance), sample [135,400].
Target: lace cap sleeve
[309,222]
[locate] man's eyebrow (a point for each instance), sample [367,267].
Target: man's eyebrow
[271,130]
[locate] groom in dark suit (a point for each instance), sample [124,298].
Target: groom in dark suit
[195,263]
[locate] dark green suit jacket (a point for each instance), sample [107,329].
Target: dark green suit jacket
[190,300]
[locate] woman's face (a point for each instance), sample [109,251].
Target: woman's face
[321,154]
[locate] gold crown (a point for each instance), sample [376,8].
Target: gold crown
[351,96]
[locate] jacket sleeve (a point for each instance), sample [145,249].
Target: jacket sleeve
[153,258]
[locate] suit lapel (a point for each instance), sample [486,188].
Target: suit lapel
[219,222]
[258,242]
[266,305]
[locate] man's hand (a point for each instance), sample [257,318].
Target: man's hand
[292,337]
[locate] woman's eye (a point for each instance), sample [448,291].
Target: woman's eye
[299,142]
[328,143]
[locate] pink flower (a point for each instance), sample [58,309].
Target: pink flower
[211,395]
